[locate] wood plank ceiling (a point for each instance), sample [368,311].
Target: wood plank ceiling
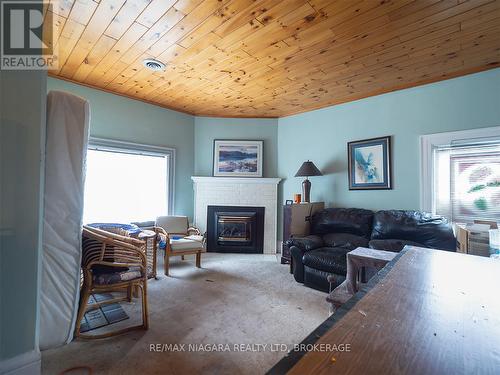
[271,58]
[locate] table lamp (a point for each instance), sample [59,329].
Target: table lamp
[307,169]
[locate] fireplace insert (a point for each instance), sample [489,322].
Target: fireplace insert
[235,229]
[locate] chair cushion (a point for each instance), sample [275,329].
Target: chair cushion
[117,228]
[392,245]
[328,259]
[183,244]
[195,237]
[173,224]
[344,240]
[104,275]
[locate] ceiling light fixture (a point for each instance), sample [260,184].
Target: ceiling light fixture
[154,65]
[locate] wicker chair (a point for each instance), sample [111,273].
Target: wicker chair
[189,240]
[112,263]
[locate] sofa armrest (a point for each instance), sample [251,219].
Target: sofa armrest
[306,243]
[296,254]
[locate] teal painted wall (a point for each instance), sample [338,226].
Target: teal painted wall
[22,145]
[120,118]
[467,102]
[209,128]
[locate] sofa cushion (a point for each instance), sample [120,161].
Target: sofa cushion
[305,243]
[421,227]
[328,259]
[342,220]
[392,245]
[344,240]
[318,279]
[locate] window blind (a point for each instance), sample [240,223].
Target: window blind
[467,181]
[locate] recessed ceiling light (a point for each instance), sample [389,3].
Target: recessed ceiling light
[154,65]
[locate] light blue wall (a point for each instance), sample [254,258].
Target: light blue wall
[120,118]
[467,102]
[22,144]
[209,128]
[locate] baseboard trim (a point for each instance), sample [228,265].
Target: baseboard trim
[28,363]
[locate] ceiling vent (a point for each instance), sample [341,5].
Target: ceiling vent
[154,65]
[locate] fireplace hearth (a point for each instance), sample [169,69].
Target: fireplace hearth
[235,229]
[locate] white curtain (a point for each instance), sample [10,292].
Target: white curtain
[67,137]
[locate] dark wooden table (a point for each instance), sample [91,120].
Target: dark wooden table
[434,312]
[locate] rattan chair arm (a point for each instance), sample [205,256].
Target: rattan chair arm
[112,247]
[160,230]
[112,239]
[130,240]
[195,230]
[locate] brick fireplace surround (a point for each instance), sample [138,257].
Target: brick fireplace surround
[238,191]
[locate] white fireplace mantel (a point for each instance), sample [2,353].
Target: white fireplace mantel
[235,180]
[239,191]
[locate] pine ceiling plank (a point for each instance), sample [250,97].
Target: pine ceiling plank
[131,36]
[248,14]
[70,35]
[110,74]
[242,32]
[186,25]
[101,48]
[104,13]
[187,6]
[272,58]
[62,7]
[478,20]
[53,25]
[205,28]
[82,11]
[153,35]
[221,15]
[196,48]
[420,28]
[411,8]
[170,55]
[154,11]
[126,17]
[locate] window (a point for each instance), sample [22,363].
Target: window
[464,183]
[127,182]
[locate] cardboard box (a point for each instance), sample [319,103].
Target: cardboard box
[462,235]
[474,238]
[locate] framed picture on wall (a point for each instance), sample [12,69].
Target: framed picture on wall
[237,158]
[370,164]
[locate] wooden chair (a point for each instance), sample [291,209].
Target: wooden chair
[180,239]
[112,263]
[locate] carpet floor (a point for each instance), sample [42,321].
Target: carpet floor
[214,320]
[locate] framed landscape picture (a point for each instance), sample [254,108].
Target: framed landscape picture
[237,158]
[370,164]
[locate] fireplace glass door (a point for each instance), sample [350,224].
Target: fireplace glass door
[234,229]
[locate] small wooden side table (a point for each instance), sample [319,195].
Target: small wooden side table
[149,237]
[356,260]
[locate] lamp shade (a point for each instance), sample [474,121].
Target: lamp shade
[308,169]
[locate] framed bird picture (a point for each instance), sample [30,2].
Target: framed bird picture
[370,164]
